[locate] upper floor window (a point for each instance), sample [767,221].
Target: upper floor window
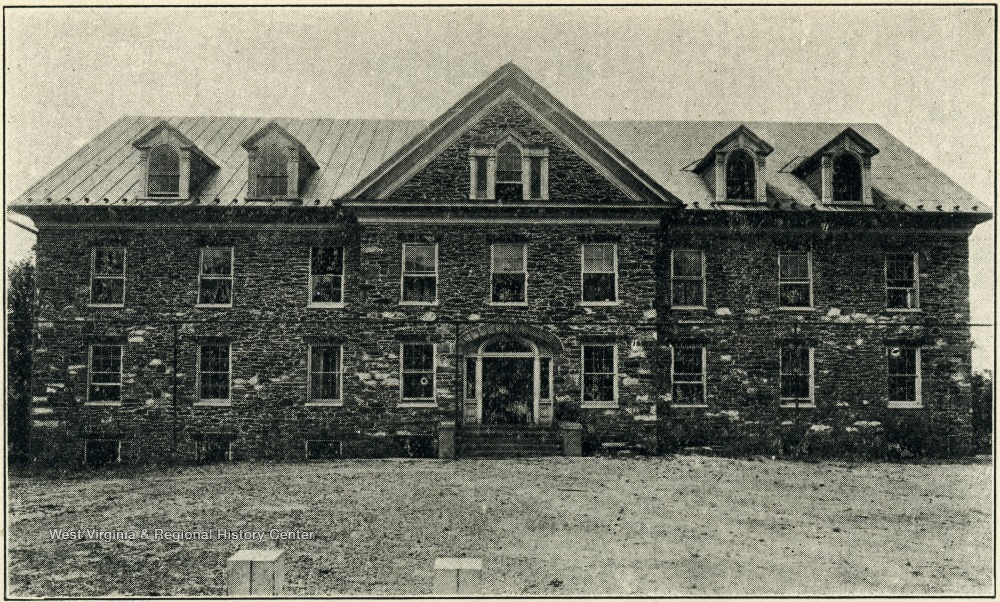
[511,170]
[104,374]
[215,276]
[214,372]
[509,274]
[326,275]
[904,377]
[796,376]
[418,372]
[901,281]
[107,276]
[688,376]
[271,172]
[164,171]
[687,278]
[847,179]
[419,273]
[600,363]
[794,280]
[325,373]
[741,176]
[600,273]
[509,185]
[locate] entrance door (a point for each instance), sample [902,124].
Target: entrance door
[508,390]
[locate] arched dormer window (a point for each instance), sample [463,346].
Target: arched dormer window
[847,179]
[741,176]
[271,171]
[509,187]
[164,171]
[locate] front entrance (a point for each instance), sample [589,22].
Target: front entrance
[508,390]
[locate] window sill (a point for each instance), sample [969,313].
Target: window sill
[107,305]
[417,404]
[599,303]
[905,405]
[213,305]
[903,310]
[213,403]
[794,309]
[419,303]
[325,305]
[599,405]
[689,307]
[689,405]
[791,406]
[324,404]
[509,303]
[103,404]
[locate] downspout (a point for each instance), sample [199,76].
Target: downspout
[459,382]
[173,394]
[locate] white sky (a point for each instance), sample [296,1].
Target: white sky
[925,73]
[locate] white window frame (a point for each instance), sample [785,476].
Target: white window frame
[916,283]
[415,402]
[403,274]
[121,371]
[231,277]
[704,286]
[781,281]
[95,276]
[213,402]
[790,402]
[312,401]
[583,274]
[604,404]
[524,265]
[343,281]
[918,384]
[703,382]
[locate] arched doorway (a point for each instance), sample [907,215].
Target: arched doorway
[508,382]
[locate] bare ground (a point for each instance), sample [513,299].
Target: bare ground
[685,525]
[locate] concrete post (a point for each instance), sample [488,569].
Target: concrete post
[446,440]
[458,576]
[572,433]
[255,573]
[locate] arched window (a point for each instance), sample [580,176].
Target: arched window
[507,345]
[272,171]
[846,179]
[508,182]
[164,171]
[741,176]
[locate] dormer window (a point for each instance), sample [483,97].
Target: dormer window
[279,166]
[174,166]
[741,176]
[510,170]
[734,167]
[840,171]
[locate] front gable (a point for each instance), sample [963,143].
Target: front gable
[577,164]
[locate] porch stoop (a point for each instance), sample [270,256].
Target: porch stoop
[508,441]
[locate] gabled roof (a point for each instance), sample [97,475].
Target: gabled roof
[511,82]
[848,138]
[741,132]
[273,127]
[149,139]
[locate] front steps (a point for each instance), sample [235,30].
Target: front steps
[508,441]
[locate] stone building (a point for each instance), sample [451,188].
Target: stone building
[244,288]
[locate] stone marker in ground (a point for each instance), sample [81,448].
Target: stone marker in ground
[255,573]
[458,576]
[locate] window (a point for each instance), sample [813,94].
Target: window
[535,180]
[741,178]
[795,280]
[481,183]
[215,448]
[599,369]
[164,177]
[326,275]
[509,274]
[419,273]
[213,372]
[796,376]
[846,179]
[509,171]
[104,375]
[688,376]
[271,172]
[323,449]
[418,372]
[101,452]
[904,377]
[600,273]
[687,273]
[509,186]
[215,277]
[325,373]
[901,281]
[107,276]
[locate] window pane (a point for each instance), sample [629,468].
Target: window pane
[418,357]
[325,359]
[272,186]
[508,258]
[164,160]
[900,298]
[598,358]
[420,288]
[688,292]
[271,161]
[215,358]
[418,386]
[846,178]
[325,386]
[795,386]
[599,258]
[688,263]
[481,178]
[106,358]
[902,388]
[599,287]
[689,393]
[326,289]
[164,184]
[99,392]
[327,260]
[216,291]
[217,262]
[419,259]
[902,361]
[108,290]
[688,361]
[214,386]
[508,164]
[794,295]
[598,387]
[899,268]
[536,177]
[741,184]
[508,288]
[109,261]
[794,267]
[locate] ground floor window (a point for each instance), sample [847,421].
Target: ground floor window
[214,448]
[688,376]
[104,377]
[797,377]
[100,452]
[325,372]
[323,449]
[599,374]
[214,369]
[904,377]
[417,384]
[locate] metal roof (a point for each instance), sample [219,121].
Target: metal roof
[107,170]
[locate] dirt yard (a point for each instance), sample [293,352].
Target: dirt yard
[685,525]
